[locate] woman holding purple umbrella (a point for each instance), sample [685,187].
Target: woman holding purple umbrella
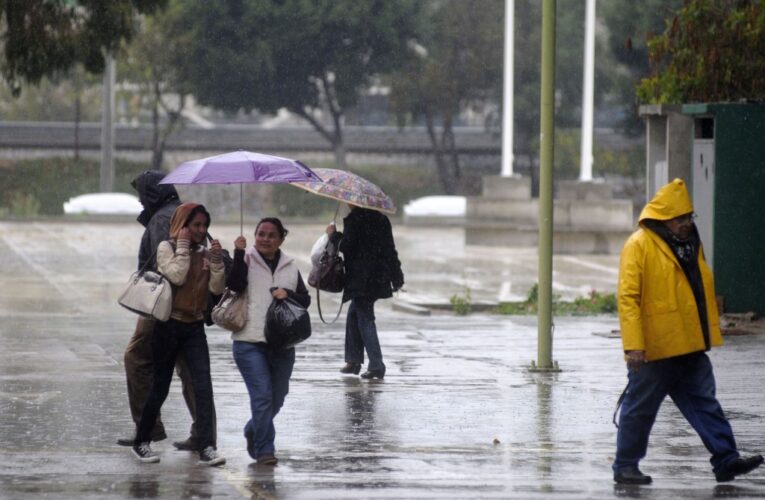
[266,273]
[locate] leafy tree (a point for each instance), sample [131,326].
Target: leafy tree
[629,25]
[45,37]
[311,57]
[711,50]
[147,62]
[463,68]
[458,64]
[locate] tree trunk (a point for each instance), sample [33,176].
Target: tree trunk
[451,146]
[335,138]
[77,117]
[442,167]
[156,153]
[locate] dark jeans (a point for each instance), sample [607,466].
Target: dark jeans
[139,371]
[689,381]
[361,333]
[170,339]
[266,374]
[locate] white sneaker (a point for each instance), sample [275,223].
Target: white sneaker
[144,454]
[210,456]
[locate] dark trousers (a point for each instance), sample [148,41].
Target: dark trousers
[689,381]
[361,333]
[139,371]
[169,340]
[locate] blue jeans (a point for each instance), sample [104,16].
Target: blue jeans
[171,338]
[266,374]
[689,381]
[361,333]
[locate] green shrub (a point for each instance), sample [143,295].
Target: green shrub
[52,181]
[461,305]
[594,303]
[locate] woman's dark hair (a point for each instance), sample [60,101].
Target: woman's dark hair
[199,209]
[276,222]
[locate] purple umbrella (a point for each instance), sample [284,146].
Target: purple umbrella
[240,167]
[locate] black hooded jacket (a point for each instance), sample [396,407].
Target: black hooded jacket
[159,202]
[372,267]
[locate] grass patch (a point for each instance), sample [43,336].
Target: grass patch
[41,186]
[595,303]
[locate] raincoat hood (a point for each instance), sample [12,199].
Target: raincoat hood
[152,194]
[671,201]
[182,215]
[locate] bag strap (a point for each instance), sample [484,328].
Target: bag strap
[318,304]
[619,403]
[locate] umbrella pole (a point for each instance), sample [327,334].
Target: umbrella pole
[241,210]
[337,208]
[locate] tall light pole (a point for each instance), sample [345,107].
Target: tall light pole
[547,143]
[107,128]
[585,164]
[508,89]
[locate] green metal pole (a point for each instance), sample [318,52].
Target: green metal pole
[547,142]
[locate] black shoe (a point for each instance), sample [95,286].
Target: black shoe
[144,454]
[267,460]
[210,456]
[353,368]
[190,444]
[156,435]
[370,374]
[738,467]
[631,475]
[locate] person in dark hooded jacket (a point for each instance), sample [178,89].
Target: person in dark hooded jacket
[372,272]
[159,203]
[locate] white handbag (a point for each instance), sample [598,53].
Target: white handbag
[148,294]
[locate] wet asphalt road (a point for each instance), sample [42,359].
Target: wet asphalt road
[457,416]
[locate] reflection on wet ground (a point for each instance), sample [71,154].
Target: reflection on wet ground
[457,416]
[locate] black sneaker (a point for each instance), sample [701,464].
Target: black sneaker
[210,456]
[144,454]
[631,475]
[189,445]
[738,467]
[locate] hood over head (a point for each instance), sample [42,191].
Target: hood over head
[151,193]
[183,214]
[671,201]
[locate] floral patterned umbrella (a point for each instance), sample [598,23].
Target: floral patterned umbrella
[348,188]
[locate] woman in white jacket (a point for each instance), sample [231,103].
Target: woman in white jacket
[266,273]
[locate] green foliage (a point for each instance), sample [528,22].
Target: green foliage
[46,38]
[30,187]
[630,24]
[303,55]
[595,303]
[461,305]
[23,204]
[710,51]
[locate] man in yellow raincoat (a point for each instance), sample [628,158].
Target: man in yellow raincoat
[668,317]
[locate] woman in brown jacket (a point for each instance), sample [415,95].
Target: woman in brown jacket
[193,270]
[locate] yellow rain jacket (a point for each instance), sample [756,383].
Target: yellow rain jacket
[657,309]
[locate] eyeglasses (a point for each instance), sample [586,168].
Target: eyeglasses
[685,219]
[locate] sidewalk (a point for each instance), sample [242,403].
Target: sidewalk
[457,416]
